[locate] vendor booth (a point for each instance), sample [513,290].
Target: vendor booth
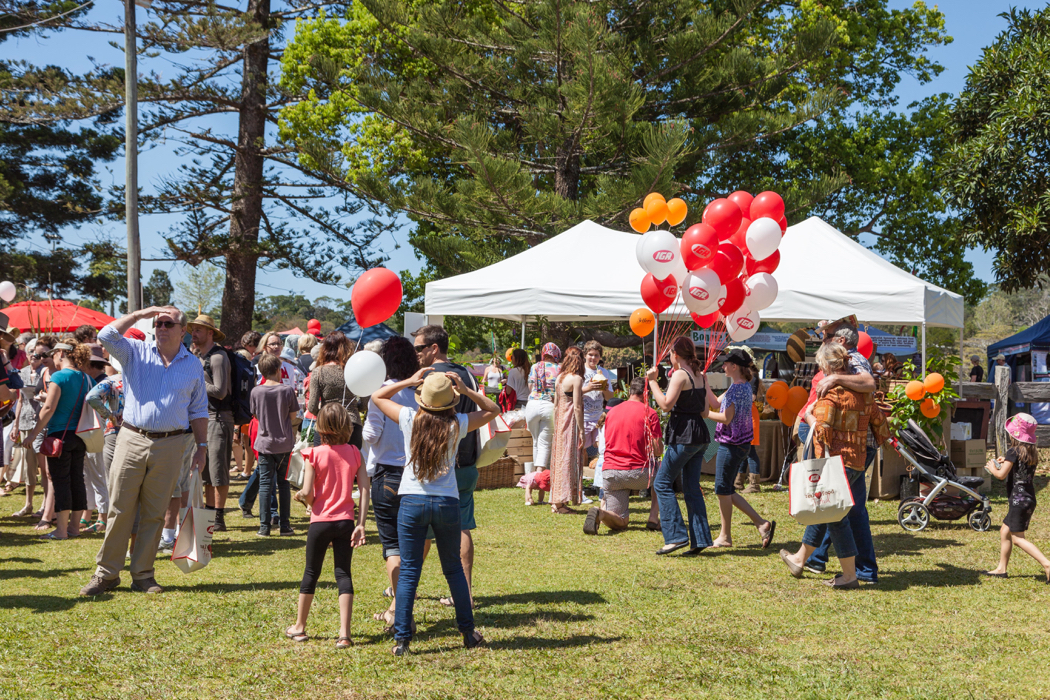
[1026,355]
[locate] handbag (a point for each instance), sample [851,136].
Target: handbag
[192,550]
[52,446]
[818,489]
[90,429]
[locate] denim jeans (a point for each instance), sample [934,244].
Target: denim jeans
[273,469]
[386,505]
[251,492]
[753,467]
[730,459]
[415,515]
[867,566]
[687,461]
[840,532]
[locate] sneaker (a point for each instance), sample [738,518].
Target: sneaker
[246,514]
[263,531]
[238,477]
[146,585]
[590,525]
[285,532]
[275,521]
[814,569]
[586,502]
[220,520]
[98,585]
[166,546]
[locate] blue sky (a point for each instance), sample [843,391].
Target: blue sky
[972,23]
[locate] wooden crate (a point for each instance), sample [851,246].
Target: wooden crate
[520,445]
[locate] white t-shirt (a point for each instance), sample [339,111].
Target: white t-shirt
[444,485]
[594,401]
[517,381]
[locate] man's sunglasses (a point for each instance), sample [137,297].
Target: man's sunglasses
[165,324]
[39,357]
[420,348]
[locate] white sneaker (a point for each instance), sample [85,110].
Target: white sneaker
[586,501]
[166,546]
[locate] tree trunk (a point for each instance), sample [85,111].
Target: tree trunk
[238,296]
[567,170]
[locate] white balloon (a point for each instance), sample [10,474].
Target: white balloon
[660,249]
[700,290]
[763,238]
[760,290]
[7,291]
[720,297]
[680,273]
[638,250]
[742,326]
[364,373]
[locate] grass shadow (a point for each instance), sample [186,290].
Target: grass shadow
[943,576]
[44,603]
[7,574]
[543,597]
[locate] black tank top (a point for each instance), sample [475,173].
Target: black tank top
[685,425]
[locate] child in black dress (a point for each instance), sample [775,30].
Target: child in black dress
[1017,466]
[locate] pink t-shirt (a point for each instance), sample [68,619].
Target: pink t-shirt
[335,470]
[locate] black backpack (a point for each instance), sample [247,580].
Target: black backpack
[242,381]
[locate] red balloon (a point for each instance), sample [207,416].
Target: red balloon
[767,204]
[783,225]
[375,297]
[742,200]
[724,217]
[734,296]
[739,239]
[865,346]
[728,263]
[659,294]
[705,321]
[768,265]
[699,245]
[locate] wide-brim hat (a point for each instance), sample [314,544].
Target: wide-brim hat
[206,321]
[97,355]
[437,393]
[1000,356]
[3,333]
[1022,427]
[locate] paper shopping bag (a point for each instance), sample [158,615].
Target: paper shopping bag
[819,491]
[493,438]
[89,429]
[192,550]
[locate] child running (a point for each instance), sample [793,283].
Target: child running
[1017,466]
[328,485]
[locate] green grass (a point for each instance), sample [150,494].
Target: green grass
[566,616]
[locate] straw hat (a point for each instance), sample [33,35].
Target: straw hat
[205,321]
[437,393]
[1022,427]
[5,335]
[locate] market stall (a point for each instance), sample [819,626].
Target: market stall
[1026,355]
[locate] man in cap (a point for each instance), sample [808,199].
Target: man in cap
[976,371]
[216,364]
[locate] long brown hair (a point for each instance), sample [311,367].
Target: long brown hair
[337,348]
[333,423]
[572,362]
[520,358]
[1025,451]
[432,433]
[685,350]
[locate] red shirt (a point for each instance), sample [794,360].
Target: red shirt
[626,427]
[817,378]
[335,470]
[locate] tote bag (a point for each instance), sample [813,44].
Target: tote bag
[296,466]
[89,429]
[493,438]
[192,550]
[818,489]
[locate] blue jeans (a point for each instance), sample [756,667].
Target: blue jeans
[840,532]
[273,470]
[730,459]
[687,461]
[867,567]
[251,492]
[415,515]
[753,466]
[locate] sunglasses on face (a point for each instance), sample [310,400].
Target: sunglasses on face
[420,348]
[38,357]
[164,324]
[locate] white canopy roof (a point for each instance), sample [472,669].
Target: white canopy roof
[589,273]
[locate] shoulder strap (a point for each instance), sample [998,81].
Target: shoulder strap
[70,421]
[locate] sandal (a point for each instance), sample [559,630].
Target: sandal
[449,603]
[52,536]
[24,513]
[654,527]
[472,639]
[343,643]
[563,510]
[296,636]
[673,547]
[388,592]
[767,539]
[98,527]
[42,525]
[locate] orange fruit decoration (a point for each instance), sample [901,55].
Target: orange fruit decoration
[777,395]
[929,408]
[639,220]
[657,210]
[933,383]
[642,322]
[676,211]
[650,197]
[914,390]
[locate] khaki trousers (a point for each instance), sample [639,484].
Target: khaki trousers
[141,479]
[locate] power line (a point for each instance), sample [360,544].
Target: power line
[47,19]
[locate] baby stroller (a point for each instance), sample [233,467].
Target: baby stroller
[929,465]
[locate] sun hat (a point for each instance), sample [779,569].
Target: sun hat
[205,321]
[1000,356]
[552,350]
[5,335]
[796,346]
[97,354]
[436,393]
[1022,427]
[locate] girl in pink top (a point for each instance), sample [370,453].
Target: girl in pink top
[328,486]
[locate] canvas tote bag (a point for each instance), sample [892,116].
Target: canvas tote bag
[192,550]
[90,428]
[818,489]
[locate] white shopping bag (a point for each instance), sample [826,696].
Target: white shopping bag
[192,550]
[296,466]
[493,438]
[818,490]
[89,429]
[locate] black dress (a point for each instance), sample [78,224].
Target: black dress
[1021,492]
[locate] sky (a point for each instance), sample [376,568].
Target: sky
[973,24]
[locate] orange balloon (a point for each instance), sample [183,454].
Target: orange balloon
[657,211]
[650,197]
[642,322]
[797,398]
[914,390]
[929,408]
[788,419]
[639,220]
[777,395]
[510,355]
[676,211]
[933,383]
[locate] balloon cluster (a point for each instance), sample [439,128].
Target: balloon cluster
[923,391]
[789,401]
[722,266]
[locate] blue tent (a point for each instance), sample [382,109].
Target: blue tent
[1035,338]
[353,331]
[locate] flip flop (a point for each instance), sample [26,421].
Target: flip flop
[673,547]
[449,603]
[388,592]
[51,536]
[343,643]
[297,636]
[768,538]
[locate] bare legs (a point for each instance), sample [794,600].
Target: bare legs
[725,510]
[215,496]
[849,568]
[1007,540]
[346,608]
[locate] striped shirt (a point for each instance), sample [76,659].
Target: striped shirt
[157,399]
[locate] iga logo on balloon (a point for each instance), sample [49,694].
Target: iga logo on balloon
[701,251]
[663,256]
[670,291]
[699,293]
[745,323]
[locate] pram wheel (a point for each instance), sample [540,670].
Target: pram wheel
[980,521]
[913,516]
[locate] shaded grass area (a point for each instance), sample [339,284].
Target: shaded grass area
[566,616]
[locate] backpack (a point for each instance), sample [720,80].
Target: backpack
[242,381]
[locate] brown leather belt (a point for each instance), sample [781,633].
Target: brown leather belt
[154,436]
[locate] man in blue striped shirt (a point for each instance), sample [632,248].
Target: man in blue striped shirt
[164,402]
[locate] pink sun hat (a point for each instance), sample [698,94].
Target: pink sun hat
[1022,427]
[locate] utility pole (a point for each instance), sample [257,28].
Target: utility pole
[131,153]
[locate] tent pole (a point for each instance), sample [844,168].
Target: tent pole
[522,332]
[924,349]
[962,357]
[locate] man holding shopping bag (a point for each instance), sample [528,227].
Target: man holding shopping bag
[165,401]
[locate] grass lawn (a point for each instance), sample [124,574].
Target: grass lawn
[565,615]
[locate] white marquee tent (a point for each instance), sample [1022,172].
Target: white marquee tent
[589,273]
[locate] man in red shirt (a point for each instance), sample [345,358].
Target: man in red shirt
[632,444]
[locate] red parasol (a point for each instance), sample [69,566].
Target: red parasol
[53,316]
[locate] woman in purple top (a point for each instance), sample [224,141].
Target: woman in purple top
[734,433]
